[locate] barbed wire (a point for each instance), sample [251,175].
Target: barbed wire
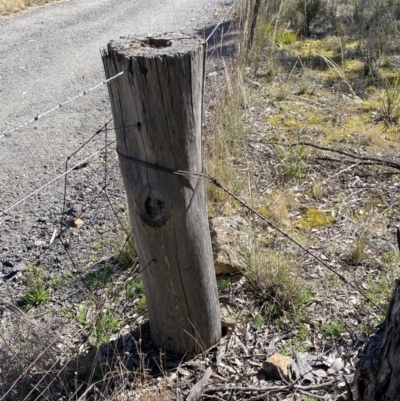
[75,167]
[104,82]
[7,133]
[209,178]
[60,105]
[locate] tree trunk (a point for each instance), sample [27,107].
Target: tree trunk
[377,376]
[161,93]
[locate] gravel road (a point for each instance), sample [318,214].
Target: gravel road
[50,53]
[47,55]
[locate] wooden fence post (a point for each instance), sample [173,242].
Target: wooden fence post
[253,23]
[161,93]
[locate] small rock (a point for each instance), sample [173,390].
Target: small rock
[40,243]
[19,267]
[320,373]
[74,223]
[276,363]
[10,271]
[227,236]
[337,366]
[382,245]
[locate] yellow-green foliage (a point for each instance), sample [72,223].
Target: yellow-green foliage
[285,37]
[313,47]
[314,219]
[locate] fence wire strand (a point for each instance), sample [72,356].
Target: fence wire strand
[60,106]
[222,20]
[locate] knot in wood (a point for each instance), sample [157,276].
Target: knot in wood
[152,208]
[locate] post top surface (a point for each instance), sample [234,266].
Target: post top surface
[153,46]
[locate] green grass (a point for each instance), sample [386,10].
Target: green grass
[357,251]
[134,288]
[37,292]
[97,279]
[291,161]
[223,284]
[257,321]
[333,330]
[96,246]
[104,327]
[389,111]
[140,306]
[128,255]
[84,308]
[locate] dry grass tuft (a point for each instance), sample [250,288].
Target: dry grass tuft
[14,6]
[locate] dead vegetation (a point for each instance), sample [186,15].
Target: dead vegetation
[13,6]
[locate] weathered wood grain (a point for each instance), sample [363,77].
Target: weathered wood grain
[162,91]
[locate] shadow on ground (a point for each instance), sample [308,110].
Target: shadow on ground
[223,39]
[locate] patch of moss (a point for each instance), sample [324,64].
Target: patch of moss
[286,37]
[314,219]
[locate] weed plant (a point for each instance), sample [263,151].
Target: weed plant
[389,111]
[37,292]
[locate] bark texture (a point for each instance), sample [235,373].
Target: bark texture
[377,376]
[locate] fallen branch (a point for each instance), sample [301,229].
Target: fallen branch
[290,386]
[197,390]
[360,163]
[365,160]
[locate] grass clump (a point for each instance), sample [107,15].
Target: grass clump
[389,111]
[333,329]
[225,146]
[223,284]
[275,278]
[128,255]
[357,251]
[291,161]
[100,278]
[37,292]
[105,325]
[134,289]
[380,290]
[257,321]
[302,13]
[100,324]
[141,306]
